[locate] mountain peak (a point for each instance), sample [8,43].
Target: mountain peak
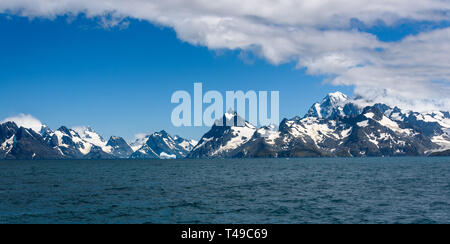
[119,148]
[161,145]
[330,106]
[336,98]
[64,129]
[232,119]
[10,124]
[230,114]
[163,132]
[115,138]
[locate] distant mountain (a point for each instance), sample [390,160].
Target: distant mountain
[97,152]
[338,126]
[88,135]
[119,147]
[72,145]
[22,143]
[222,140]
[85,143]
[161,145]
[187,145]
[68,142]
[333,105]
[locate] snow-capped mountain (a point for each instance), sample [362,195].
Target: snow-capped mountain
[161,145]
[336,127]
[88,135]
[119,147]
[67,142]
[334,105]
[22,143]
[223,140]
[85,143]
[435,125]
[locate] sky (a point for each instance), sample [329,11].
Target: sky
[114,66]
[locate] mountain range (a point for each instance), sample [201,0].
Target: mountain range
[336,127]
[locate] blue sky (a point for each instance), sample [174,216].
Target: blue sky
[119,80]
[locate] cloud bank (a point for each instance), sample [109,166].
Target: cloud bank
[316,34]
[25,121]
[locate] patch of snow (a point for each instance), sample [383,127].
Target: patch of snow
[318,110]
[59,136]
[385,121]
[372,139]
[146,150]
[164,155]
[188,145]
[442,140]
[169,143]
[369,115]
[8,144]
[346,133]
[311,127]
[59,150]
[193,142]
[229,115]
[240,135]
[385,136]
[437,117]
[269,134]
[396,116]
[140,141]
[364,123]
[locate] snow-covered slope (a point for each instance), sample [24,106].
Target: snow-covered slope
[88,135]
[188,145]
[84,142]
[161,145]
[434,125]
[223,140]
[139,142]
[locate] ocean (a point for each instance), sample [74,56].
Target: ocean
[244,191]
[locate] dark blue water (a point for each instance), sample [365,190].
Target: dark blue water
[374,190]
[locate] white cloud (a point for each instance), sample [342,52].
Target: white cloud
[314,34]
[138,141]
[140,136]
[26,121]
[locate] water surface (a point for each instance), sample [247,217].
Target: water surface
[371,190]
